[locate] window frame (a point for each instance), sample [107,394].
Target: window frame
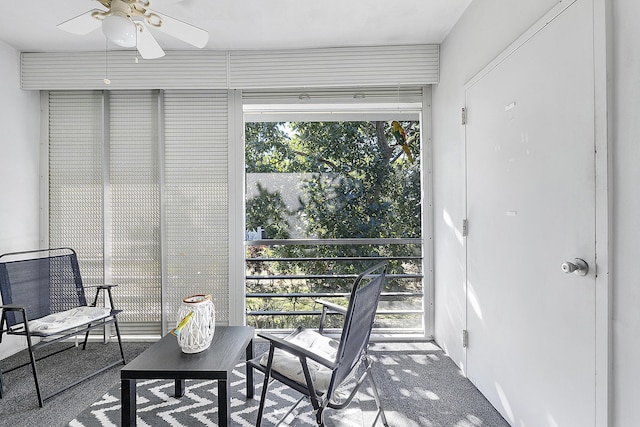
[295,105]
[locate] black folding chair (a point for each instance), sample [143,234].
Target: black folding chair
[43,296]
[320,367]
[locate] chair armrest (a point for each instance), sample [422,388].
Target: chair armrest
[329,308]
[296,350]
[332,307]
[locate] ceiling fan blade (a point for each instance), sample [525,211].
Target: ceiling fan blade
[181,30]
[147,44]
[81,24]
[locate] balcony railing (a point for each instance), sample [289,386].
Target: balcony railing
[285,277]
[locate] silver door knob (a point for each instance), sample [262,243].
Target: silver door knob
[578,266]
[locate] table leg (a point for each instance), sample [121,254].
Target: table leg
[179,388]
[128,402]
[250,387]
[224,405]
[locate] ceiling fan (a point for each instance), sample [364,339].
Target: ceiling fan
[126,23]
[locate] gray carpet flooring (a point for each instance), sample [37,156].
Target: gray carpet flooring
[419,386]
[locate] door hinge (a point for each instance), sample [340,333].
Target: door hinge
[465,338]
[465,228]
[464,116]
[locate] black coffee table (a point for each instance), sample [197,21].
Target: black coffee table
[165,360]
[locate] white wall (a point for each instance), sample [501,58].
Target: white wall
[486,28]
[289,185]
[19,165]
[626,212]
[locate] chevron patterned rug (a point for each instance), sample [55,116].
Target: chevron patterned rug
[156,406]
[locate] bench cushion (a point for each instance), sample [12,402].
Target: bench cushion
[64,320]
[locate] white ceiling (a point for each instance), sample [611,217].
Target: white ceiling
[246,24]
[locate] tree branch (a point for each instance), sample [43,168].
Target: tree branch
[385,148]
[309,156]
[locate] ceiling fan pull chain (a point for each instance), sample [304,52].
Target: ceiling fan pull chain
[106,62]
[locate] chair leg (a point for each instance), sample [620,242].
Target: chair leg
[86,338]
[263,396]
[376,396]
[115,322]
[318,406]
[35,371]
[290,411]
[94,304]
[262,399]
[319,417]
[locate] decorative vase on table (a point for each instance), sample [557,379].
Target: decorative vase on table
[196,323]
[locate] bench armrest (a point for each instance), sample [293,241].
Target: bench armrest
[3,319]
[12,307]
[102,286]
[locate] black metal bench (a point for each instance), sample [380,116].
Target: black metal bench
[43,297]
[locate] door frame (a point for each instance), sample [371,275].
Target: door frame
[602,53]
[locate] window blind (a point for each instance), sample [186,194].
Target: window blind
[75,178]
[133,211]
[196,199]
[138,186]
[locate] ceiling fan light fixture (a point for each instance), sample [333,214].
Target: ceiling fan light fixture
[126,23]
[120,29]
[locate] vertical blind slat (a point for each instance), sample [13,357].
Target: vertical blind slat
[196,198]
[75,178]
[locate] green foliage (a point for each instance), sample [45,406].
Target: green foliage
[267,210]
[269,149]
[360,185]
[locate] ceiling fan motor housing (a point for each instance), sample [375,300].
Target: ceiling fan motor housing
[118,26]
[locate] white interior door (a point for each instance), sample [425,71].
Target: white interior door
[531,207]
